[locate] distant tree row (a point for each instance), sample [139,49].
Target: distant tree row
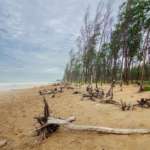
[107,52]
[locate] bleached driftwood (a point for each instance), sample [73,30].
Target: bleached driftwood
[51,91]
[67,123]
[106,130]
[46,92]
[49,124]
[60,121]
[56,121]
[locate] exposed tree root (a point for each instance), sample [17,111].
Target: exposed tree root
[144,103]
[44,130]
[125,107]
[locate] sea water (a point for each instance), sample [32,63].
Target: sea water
[20,85]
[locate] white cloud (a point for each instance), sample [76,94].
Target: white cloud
[53,70]
[39,35]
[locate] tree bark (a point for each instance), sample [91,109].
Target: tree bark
[145,48]
[106,130]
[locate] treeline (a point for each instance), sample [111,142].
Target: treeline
[106,52]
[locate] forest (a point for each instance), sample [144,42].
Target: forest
[108,49]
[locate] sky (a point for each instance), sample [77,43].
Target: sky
[37,35]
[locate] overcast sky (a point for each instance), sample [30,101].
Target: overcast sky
[36,36]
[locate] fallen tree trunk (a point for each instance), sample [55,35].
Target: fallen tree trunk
[49,124]
[106,130]
[67,123]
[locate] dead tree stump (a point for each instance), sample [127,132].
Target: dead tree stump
[44,131]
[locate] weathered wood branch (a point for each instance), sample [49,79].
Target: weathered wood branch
[67,123]
[60,121]
[51,91]
[93,94]
[106,130]
[49,124]
[56,121]
[46,92]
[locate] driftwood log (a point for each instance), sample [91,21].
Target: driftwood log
[93,94]
[98,95]
[46,92]
[51,91]
[67,123]
[42,121]
[50,124]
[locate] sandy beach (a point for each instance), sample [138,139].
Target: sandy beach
[19,107]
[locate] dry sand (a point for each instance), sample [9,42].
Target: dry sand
[17,109]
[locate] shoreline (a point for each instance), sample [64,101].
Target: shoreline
[6,87]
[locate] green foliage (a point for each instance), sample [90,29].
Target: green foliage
[120,56]
[147,88]
[147,83]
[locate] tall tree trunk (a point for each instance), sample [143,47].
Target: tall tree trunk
[126,67]
[114,69]
[142,75]
[145,48]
